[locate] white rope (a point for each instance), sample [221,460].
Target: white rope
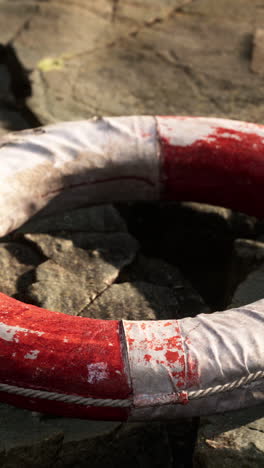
[75,399]
[228,387]
[126,403]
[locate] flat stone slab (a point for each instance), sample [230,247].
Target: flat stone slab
[251,289]
[257,62]
[157,273]
[150,57]
[31,440]
[17,262]
[79,268]
[102,218]
[231,440]
[198,238]
[247,256]
[135,301]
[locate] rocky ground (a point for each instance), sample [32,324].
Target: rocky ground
[79,58]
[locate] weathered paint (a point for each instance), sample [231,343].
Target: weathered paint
[72,163]
[97,371]
[214,161]
[35,354]
[11,333]
[157,361]
[210,160]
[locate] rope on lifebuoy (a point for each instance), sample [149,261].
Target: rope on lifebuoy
[228,387]
[99,369]
[77,400]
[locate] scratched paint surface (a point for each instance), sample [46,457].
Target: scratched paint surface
[56,352]
[214,161]
[156,357]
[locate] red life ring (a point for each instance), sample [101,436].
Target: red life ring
[99,369]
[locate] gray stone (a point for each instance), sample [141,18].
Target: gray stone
[198,238]
[104,218]
[17,262]
[135,301]
[160,273]
[257,62]
[75,275]
[250,290]
[30,439]
[231,440]
[146,12]
[56,288]
[118,249]
[247,256]
[249,264]
[14,18]
[110,44]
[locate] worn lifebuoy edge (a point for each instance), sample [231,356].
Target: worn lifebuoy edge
[100,369]
[217,161]
[213,369]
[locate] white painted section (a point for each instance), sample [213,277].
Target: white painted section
[75,163]
[219,349]
[32,354]
[184,131]
[156,358]
[8,332]
[97,371]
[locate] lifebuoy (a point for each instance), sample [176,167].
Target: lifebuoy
[87,368]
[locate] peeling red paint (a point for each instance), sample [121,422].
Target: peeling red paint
[157,347]
[147,357]
[225,168]
[192,377]
[183,398]
[172,356]
[84,365]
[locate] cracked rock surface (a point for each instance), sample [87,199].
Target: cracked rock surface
[75,276]
[232,439]
[123,57]
[79,58]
